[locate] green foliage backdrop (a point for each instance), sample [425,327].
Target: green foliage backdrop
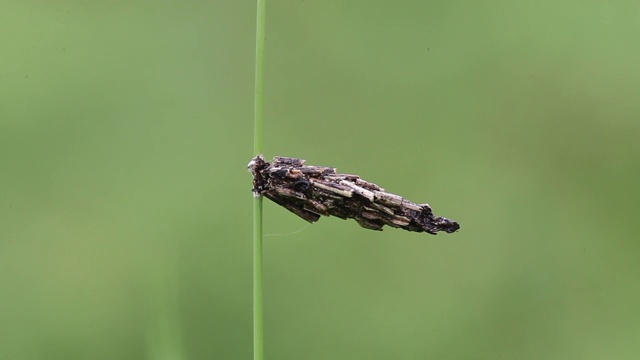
[125,205]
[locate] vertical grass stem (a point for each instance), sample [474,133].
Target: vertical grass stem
[258,348]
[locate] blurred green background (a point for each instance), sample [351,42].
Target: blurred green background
[125,204]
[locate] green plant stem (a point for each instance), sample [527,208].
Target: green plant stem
[257,280]
[258,343]
[260,38]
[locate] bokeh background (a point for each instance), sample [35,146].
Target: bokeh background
[125,204]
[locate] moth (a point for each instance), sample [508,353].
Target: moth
[314,191]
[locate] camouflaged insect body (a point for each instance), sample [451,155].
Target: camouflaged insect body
[314,191]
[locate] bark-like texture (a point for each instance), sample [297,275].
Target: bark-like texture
[312,191]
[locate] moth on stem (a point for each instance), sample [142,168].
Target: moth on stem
[314,191]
